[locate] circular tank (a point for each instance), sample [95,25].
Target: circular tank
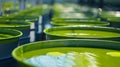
[70,52]
[24,27]
[20,17]
[8,41]
[83,32]
[79,22]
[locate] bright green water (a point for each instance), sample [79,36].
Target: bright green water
[10,25]
[85,33]
[3,36]
[78,22]
[73,57]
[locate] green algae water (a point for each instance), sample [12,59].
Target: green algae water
[12,25]
[8,25]
[79,22]
[84,33]
[72,57]
[15,25]
[3,36]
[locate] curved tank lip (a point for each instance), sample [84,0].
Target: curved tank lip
[13,31]
[91,23]
[111,45]
[14,25]
[86,18]
[46,31]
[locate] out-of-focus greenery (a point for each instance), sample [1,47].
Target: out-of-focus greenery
[8,6]
[28,14]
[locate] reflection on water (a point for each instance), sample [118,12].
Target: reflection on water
[76,34]
[117,14]
[114,54]
[71,59]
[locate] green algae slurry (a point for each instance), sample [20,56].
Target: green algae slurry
[72,57]
[84,33]
[69,53]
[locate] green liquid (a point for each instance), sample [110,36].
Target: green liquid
[77,57]
[3,36]
[85,33]
[10,25]
[79,22]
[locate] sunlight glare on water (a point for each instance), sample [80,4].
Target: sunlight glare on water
[71,59]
